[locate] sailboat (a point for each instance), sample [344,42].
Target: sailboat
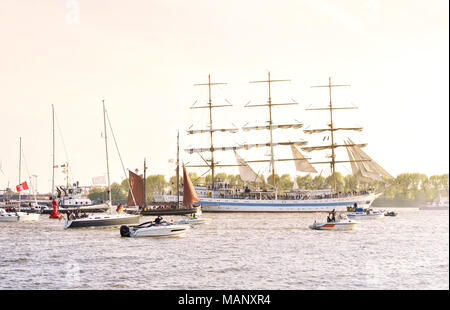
[190,198]
[115,216]
[217,199]
[16,216]
[179,209]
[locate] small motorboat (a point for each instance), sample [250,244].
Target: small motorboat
[17,216]
[157,228]
[390,213]
[193,220]
[333,223]
[365,214]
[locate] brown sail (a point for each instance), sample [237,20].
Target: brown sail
[190,195]
[137,186]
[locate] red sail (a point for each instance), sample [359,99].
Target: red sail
[137,186]
[190,195]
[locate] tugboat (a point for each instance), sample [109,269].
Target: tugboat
[333,223]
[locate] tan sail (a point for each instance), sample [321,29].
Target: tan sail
[301,164]
[137,186]
[189,195]
[363,167]
[246,173]
[372,168]
[356,169]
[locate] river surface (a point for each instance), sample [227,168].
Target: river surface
[235,251]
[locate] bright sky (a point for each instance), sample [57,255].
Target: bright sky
[143,57]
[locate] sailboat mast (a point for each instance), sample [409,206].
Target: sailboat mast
[20,166]
[53,151]
[333,156]
[178,170]
[145,176]
[106,148]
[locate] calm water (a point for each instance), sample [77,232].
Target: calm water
[235,251]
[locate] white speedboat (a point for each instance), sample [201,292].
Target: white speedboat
[341,223]
[193,221]
[156,228]
[102,220]
[17,216]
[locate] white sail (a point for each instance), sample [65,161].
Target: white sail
[372,164]
[363,167]
[301,164]
[295,186]
[246,173]
[356,171]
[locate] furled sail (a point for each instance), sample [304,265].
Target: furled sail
[137,186]
[189,194]
[233,130]
[249,146]
[242,146]
[246,173]
[325,147]
[287,126]
[311,131]
[213,149]
[301,164]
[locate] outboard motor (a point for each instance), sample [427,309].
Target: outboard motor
[125,231]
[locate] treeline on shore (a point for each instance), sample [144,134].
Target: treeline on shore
[405,187]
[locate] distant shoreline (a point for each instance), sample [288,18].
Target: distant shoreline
[381,203]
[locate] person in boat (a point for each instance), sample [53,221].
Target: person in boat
[158,219]
[333,215]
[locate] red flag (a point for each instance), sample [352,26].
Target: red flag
[22,187]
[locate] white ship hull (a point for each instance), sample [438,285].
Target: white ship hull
[306,205]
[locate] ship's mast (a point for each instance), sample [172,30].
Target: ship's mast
[270,126]
[270,105]
[332,129]
[210,106]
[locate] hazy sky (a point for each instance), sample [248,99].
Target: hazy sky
[143,58]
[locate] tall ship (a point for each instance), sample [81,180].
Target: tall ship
[220,197]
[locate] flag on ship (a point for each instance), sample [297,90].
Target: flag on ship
[119,208]
[22,187]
